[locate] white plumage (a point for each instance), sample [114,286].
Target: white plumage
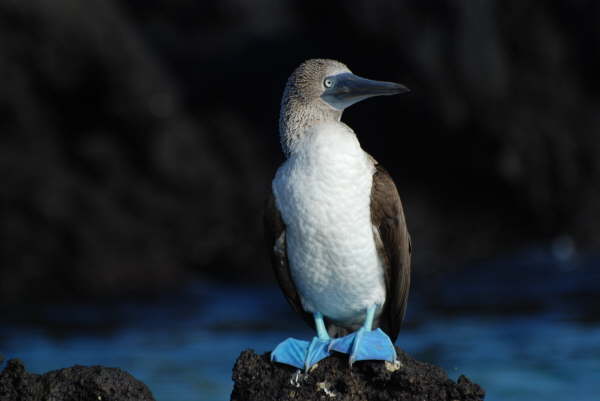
[323,192]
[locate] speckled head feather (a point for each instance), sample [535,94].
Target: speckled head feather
[302,104]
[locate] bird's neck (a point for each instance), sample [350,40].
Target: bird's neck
[297,117]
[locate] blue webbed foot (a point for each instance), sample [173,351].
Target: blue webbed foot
[365,345]
[301,354]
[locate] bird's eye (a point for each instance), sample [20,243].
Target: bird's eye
[328,83]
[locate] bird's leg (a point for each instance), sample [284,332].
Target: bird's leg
[319,346]
[370,315]
[320,325]
[365,343]
[303,354]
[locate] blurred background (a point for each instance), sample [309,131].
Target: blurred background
[139,138]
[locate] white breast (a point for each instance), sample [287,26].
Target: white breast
[323,192]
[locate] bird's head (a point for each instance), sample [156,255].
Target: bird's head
[320,90]
[331,83]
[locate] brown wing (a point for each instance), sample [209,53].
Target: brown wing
[393,243]
[275,236]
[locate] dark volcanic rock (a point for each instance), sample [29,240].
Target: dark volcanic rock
[256,378]
[77,383]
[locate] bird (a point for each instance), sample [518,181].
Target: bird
[334,223]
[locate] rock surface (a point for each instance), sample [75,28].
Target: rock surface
[256,378]
[77,383]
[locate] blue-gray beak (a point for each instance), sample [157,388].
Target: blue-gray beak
[346,89]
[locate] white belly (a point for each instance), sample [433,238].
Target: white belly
[323,192]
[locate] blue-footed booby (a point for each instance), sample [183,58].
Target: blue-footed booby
[334,221]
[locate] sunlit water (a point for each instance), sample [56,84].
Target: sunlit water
[183,347]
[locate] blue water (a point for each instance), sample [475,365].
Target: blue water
[525,328]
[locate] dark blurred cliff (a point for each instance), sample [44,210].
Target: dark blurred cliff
[139,137]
